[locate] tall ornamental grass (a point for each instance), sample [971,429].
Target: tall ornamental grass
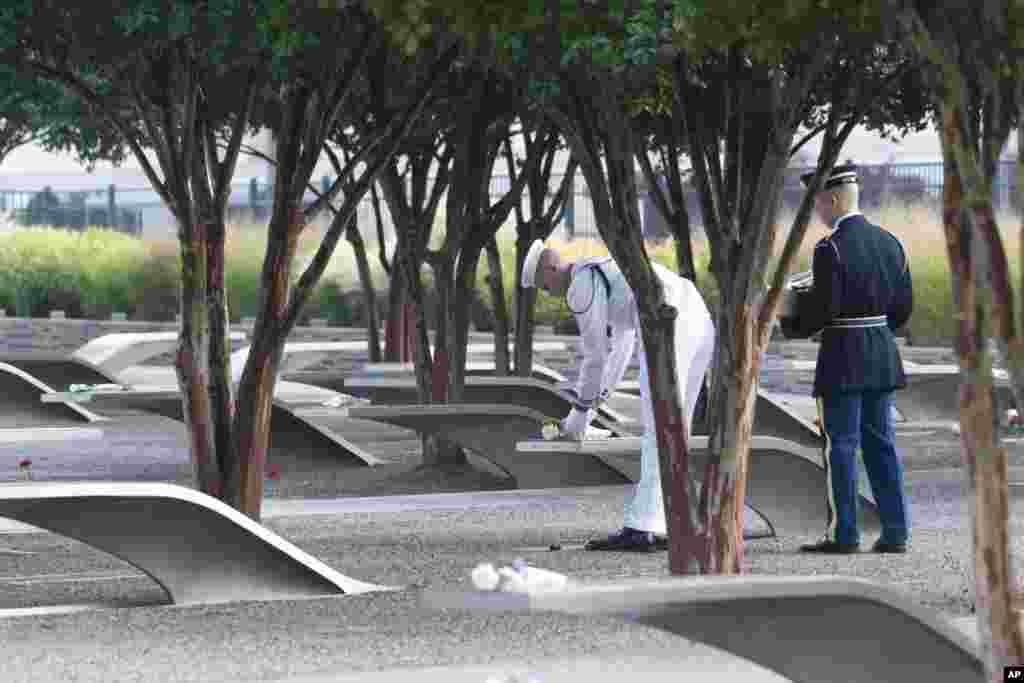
[114,271]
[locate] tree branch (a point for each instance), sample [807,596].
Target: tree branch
[226,168]
[99,104]
[379,221]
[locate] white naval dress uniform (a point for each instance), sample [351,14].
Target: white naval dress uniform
[598,307]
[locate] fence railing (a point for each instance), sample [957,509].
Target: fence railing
[122,207]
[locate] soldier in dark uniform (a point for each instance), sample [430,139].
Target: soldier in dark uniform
[861,293]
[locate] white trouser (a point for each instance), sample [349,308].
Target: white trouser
[695,344]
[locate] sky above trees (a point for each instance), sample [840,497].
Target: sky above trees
[863,147]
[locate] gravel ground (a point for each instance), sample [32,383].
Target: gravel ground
[257,641]
[351,634]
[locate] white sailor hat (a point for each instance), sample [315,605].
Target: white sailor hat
[530,264]
[840,175]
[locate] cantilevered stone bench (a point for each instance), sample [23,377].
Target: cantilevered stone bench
[494,431]
[197,548]
[527,392]
[112,353]
[932,391]
[293,439]
[474,368]
[813,629]
[20,407]
[100,361]
[97,362]
[771,418]
[297,356]
[335,381]
[785,483]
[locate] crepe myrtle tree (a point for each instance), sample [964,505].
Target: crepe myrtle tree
[38,111]
[740,106]
[583,57]
[660,138]
[744,100]
[545,209]
[182,83]
[746,79]
[547,202]
[176,83]
[412,195]
[325,70]
[974,51]
[493,103]
[413,188]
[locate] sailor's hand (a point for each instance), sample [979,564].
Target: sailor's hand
[574,425]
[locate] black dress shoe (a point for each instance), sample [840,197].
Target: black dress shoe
[831,548]
[881,546]
[627,540]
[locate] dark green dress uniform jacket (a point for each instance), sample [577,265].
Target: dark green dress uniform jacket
[860,271]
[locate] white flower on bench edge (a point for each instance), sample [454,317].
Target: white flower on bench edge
[519,578]
[551,431]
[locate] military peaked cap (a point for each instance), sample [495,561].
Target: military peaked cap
[840,175]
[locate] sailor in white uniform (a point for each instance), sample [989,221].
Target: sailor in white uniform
[600,299]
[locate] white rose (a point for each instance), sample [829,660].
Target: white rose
[485,577]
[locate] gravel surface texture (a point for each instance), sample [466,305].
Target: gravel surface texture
[322,638]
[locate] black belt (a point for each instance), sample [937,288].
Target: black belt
[857,323]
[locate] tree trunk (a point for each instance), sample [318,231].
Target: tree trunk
[599,136]
[984,458]
[202,363]
[423,362]
[369,294]
[502,365]
[685,265]
[397,348]
[687,551]
[459,317]
[438,452]
[256,390]
[525,305]
[736,371]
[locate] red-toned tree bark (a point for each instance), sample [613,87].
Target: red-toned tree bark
[977,94]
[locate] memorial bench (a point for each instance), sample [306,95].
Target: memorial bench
[785,487]
[932,391]
[785,483]
[20,407]
[539,395]
[771,417]
[99,361]
[335,381]
[197,548]
[293,438]
[28,375]
[809,629]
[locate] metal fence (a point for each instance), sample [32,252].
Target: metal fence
[123,207]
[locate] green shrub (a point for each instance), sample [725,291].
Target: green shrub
[111,270]
[35,261]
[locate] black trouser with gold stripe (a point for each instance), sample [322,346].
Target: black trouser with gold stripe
[862,420]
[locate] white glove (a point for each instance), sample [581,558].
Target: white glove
[574,425]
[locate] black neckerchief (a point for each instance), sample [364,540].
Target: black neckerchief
[594,268]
